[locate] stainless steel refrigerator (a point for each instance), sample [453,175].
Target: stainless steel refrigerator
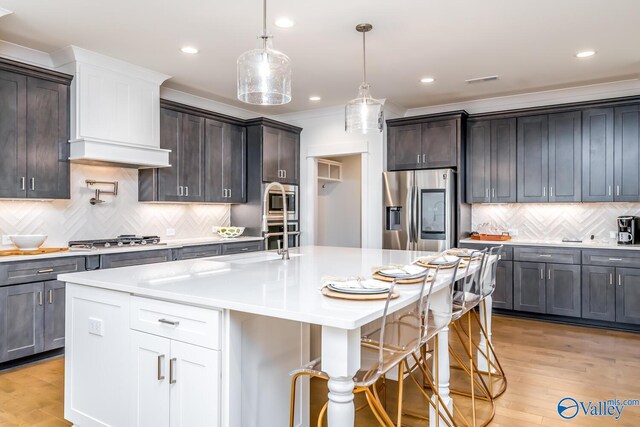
[419,210]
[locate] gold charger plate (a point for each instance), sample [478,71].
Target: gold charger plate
[357,297]
[378,276]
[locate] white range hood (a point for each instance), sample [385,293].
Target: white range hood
[115,110]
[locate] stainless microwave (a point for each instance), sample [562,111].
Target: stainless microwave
[275,202]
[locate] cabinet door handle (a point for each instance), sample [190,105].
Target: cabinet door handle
[549,274]
[160,363]
[544,191]
[609,190]
[186,191]
[45,270]
[169,322]
[180,190]
[418,158]
[493,191]
[172,371]
[617,190]
[224,192]
[544,256]
[615,259]
[23,183]
[50,296]
[611,278]
[550,191]
[424,158]
[285,173]
[33,183]
[486,192]
[542,273]
[619,279]
[229,192]
[40,302]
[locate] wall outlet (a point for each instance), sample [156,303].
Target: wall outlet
[513,232]
[6,240]
[214,229]
[613,235]
[170,232]
[96,326]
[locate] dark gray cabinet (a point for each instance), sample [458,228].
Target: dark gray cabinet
[280,156]
[503,293]
[54,292]
[627,153]
[126,259]
[240,247]
[200,251]
[533,159]
[404,150]
[598,293]
[491,161]
[565,157]
[22,320]
[183,134]
[439,144]
[628,295]
[225,162]
[597,155]
[529,290]
[503,161]
[478,161]
[34,130]
[563,290]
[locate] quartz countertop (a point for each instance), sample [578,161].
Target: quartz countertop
[262,283]
[167,244]
[587,244]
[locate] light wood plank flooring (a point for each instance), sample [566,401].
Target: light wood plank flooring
[544,362]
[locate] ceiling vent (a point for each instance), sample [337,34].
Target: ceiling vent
[482,79]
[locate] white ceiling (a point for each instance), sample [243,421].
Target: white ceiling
[530,44]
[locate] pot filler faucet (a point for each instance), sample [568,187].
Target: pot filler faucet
[265,217]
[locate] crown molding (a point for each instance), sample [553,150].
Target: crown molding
[24,54]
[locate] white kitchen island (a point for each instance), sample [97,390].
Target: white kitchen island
[210,342]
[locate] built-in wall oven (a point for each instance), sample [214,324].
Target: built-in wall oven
[275,202]
[275,235]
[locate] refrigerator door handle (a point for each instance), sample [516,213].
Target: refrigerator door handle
[416,216]
[409,215]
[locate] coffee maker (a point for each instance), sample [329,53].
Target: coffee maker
[628,230]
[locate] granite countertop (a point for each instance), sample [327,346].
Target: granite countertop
[587,244]
[168,244]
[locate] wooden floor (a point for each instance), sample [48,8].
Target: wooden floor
[544,362]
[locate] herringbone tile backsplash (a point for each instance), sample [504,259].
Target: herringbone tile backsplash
[554,221]
[65,220]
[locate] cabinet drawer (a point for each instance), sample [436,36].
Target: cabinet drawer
[236,248]
[505,255]
[193,325]
[551,255]
[12,273]
[127,259]
[611,258]
[201,251]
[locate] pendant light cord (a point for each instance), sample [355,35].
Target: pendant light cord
[364,58]
[264,24]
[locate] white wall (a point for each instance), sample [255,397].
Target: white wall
[339,207]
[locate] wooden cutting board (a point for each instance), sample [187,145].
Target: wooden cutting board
[36,252]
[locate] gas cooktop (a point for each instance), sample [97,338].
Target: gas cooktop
[120,241]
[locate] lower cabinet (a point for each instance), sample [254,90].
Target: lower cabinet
[628,295]
[547,288]
[126,259]
[175,384]
[503,293]
[599,293]
[32,319]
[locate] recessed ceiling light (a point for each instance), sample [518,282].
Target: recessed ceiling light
[585,53]
[284,23]
[427,80]
[189,49]
[314,98]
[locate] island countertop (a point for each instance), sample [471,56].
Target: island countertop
[262,283]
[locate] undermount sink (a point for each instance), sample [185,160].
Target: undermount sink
[259,257]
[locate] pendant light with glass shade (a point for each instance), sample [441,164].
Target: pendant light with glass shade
[364,113]
[264,74]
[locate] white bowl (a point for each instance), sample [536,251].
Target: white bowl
[28,242]
[230,232]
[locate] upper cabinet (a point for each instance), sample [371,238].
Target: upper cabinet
[491,161]
[208,159]
[533,159]
[627,153]
[34,130]
[597,155]
[275,148]
[429,142]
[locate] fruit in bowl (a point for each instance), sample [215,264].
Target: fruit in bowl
[28,242]
[230,232]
